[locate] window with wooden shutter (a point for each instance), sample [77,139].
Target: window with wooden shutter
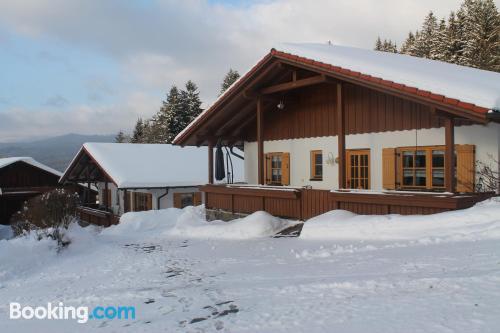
[142,201]
[389,168]
[277,168]
[465,168]
[182,200]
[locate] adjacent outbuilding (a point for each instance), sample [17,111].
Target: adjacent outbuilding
[22,178]
[136,177]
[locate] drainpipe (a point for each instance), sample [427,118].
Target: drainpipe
[159,198]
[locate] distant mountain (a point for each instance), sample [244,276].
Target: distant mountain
[55,152]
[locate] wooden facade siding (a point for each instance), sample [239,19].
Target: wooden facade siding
[312,112]
[307,203]
[97,217]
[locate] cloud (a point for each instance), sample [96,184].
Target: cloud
[160,43]
[17,123]
[56,101]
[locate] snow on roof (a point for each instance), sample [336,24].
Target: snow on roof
[29,160]
[466,84]
[150,165]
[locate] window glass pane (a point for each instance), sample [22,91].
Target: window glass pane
[408,177]
[420,177]
[319,171]
[437,158]
[186,200]
[319,158]
[407,159]
[420,159]
[438,177]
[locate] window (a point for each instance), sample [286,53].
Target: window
[182,200]
[142,201]
[422,167]
[316,165]
[358,169]
[277,169]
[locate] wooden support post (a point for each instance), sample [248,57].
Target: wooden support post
[210,162]
[105,195]
[449,161]
[260,142]
[341,136]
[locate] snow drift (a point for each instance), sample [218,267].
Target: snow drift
[5,231]
[478,222]
[190,222]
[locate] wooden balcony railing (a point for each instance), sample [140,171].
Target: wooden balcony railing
[96,216]
[302,203]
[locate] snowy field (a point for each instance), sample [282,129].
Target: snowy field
[346,273]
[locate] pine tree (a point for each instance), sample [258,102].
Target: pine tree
[424,42]
[138,134]
[193,101]
[407,45]
[389,46]
[120,137]
[378,44]
[229,79]
[440,41]
[455,39]
[482,45]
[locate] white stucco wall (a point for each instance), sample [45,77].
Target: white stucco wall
[485,138]
[166,201]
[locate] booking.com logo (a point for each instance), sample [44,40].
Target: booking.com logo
[81,314]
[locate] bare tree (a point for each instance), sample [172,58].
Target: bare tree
[488,177]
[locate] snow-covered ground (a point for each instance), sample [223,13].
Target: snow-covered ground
[346,273]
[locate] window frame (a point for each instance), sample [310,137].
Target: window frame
[429,167]
[140,201]
[313,165]
[348,176]
[269,180]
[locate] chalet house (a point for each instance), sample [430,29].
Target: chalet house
[22,178]
[136,177]
[328,127]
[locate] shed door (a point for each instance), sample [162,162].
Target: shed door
[358,169]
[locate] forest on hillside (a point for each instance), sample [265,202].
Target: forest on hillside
[469,36]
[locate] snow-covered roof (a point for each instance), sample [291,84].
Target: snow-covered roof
[132,165]
[475,90]
[466,84]
[29,160]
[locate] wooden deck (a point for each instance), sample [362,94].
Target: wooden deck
[96,216]
[302,203]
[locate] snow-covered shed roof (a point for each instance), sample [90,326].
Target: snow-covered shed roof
[475,91]
[131,165]
[28,160]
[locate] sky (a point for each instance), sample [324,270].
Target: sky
[94,67]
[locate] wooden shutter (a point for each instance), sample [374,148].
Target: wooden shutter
[197,198]
[177,200]
[149,201]
[389,168]
[267,168]
[285,169]
[465,168]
